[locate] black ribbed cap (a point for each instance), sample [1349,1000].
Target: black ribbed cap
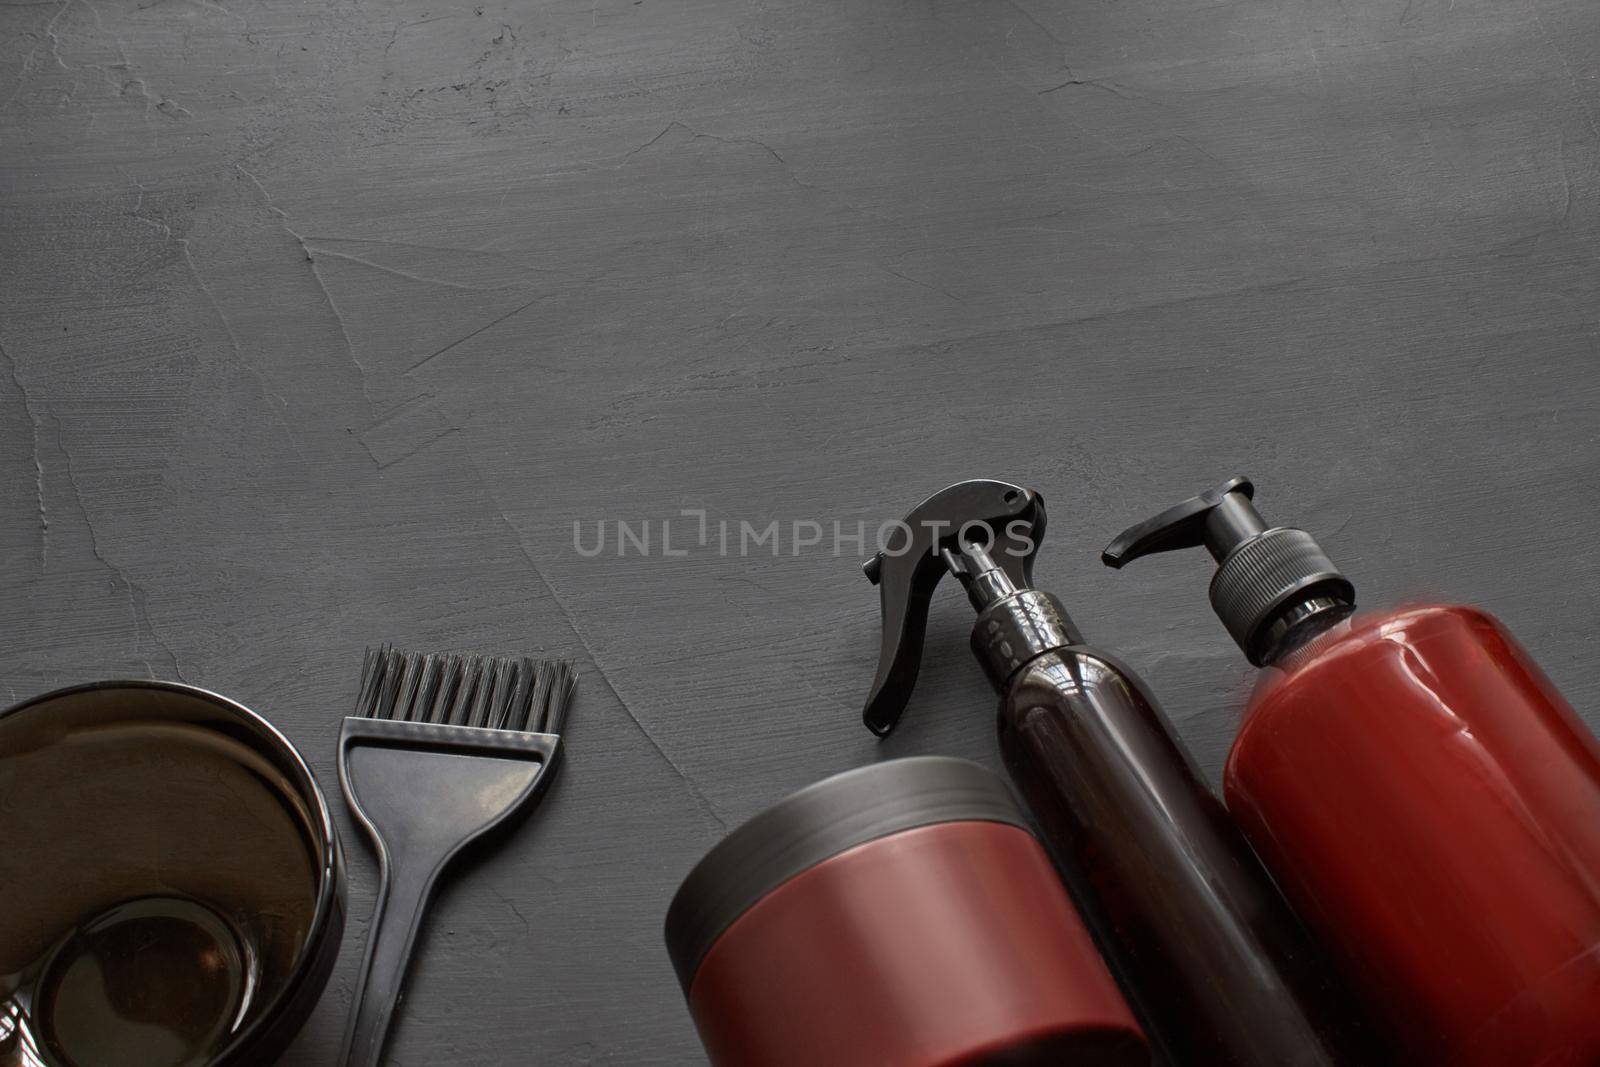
[1262,574]
[816,824]
[1266,574]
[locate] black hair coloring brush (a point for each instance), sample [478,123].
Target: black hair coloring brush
[441,750]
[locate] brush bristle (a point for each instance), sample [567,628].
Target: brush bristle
[495,693]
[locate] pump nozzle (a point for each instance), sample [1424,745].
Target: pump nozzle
[1219,519]
[1008,519]
[1265,576]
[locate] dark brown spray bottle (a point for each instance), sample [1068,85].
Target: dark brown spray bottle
[1209,952]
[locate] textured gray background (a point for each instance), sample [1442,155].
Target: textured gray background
[322,321]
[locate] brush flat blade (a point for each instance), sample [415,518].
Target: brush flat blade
[516,693]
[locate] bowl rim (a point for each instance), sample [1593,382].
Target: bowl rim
[328,907]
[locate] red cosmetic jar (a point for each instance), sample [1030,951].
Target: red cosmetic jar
[899,915]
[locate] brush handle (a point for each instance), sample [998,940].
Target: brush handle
[403,894]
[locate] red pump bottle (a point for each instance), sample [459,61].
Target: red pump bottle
[1419,789]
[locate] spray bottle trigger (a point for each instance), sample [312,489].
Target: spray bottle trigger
[1010,518]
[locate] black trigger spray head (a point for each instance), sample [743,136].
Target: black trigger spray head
[985,532]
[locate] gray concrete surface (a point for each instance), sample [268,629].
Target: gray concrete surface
[322,323]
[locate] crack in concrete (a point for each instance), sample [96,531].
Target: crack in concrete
[325,238]
[228,13]
[38,462]
[316,274]
[216,307]
[430,357]
[1041,27]
[512,905]
[423,445]
[398,273]
[138,600]
[153,101]
[788,168]
[583,639]
[112,74]
[233,342]
[1566,65]
[926,285]
[28,61]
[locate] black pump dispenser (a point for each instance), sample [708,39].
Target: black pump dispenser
[1268,581]
[1215,962]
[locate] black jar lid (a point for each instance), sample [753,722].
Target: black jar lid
[818,823]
